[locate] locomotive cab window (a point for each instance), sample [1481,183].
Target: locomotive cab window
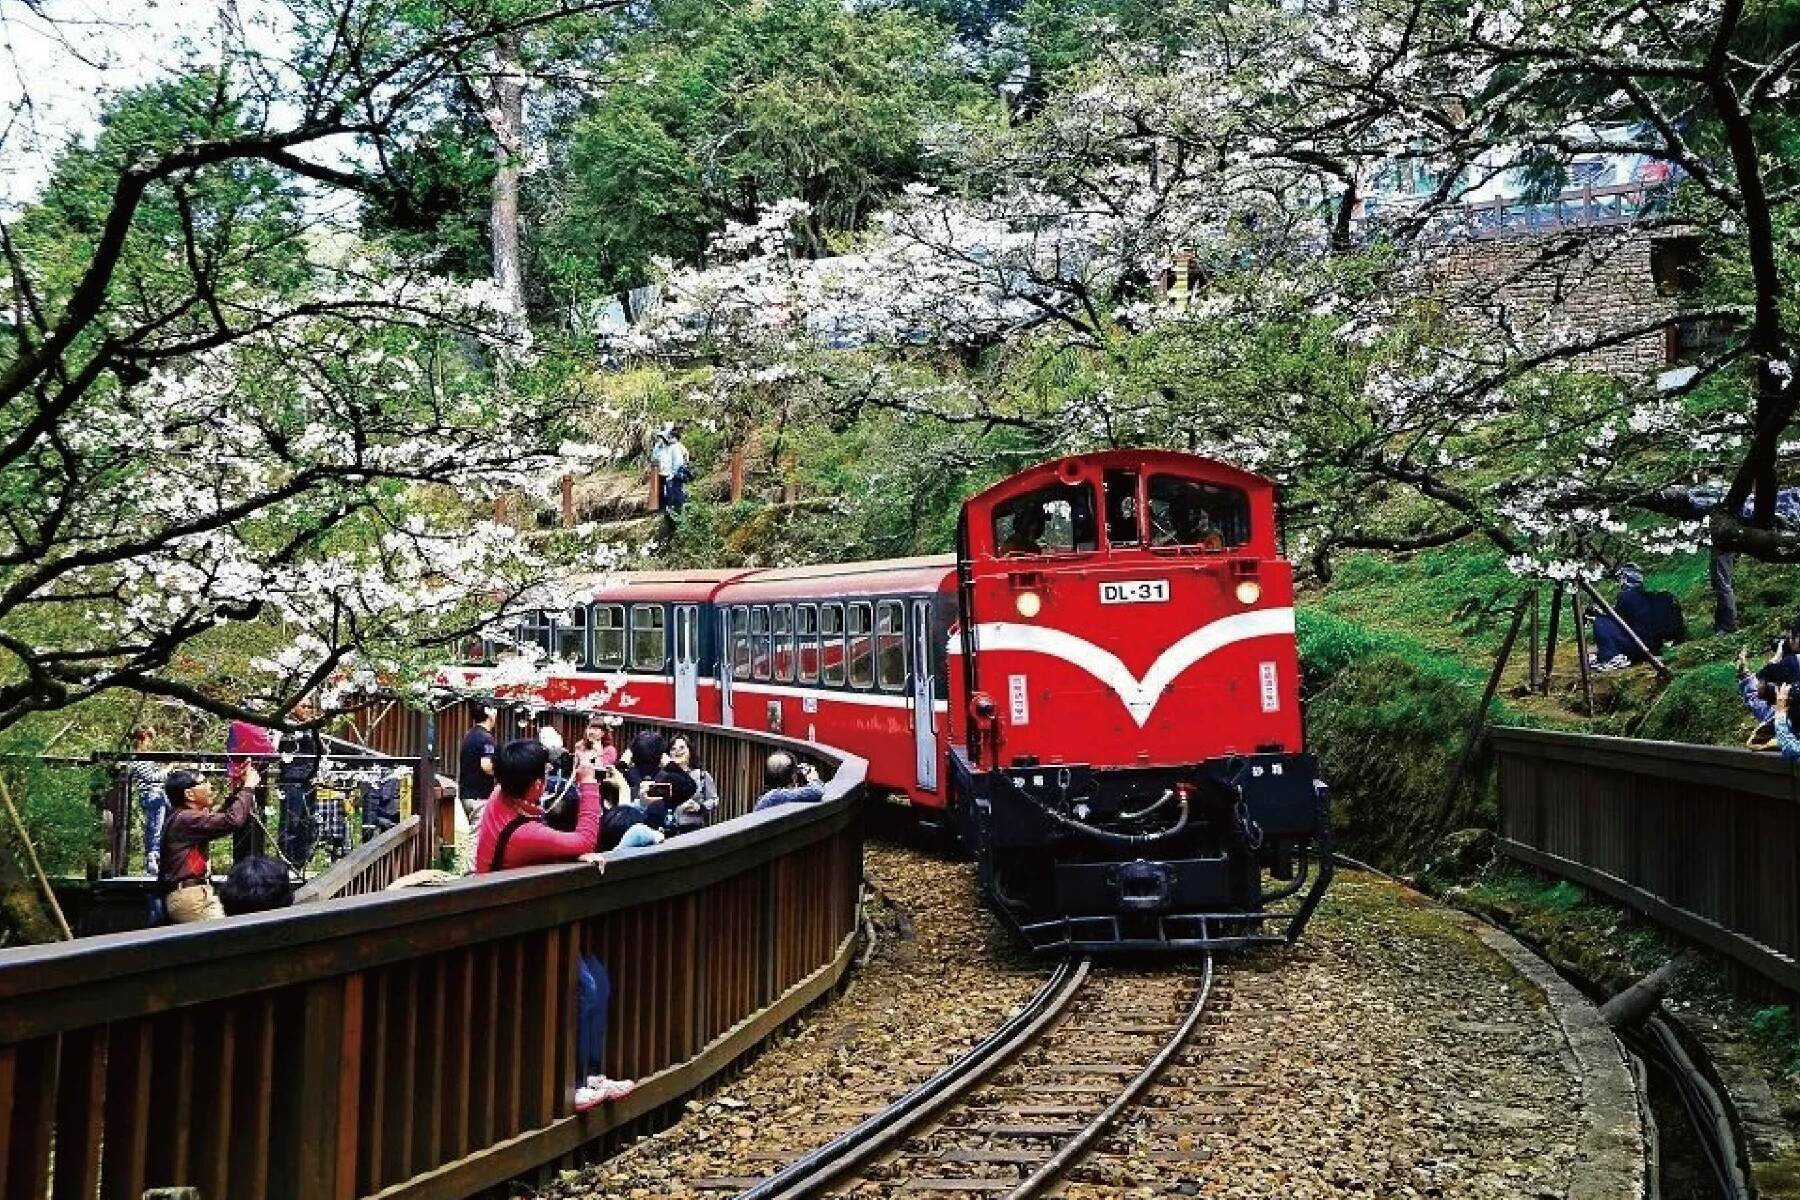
[1055,519]
[890,645]
[1121,487]
[649,643]
[862,645]
[831,644]
[609,635]
[1186,512]
[571,636]
[740,642]
[806,633]
[784,642]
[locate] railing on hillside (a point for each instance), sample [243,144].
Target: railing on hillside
[735,761]
[418,1043]
[1700,839]
[1603,207]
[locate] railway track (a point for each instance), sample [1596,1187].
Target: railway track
[1016,1113]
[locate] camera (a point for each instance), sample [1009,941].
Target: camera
[659,791]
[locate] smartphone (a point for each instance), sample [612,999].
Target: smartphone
[659,791]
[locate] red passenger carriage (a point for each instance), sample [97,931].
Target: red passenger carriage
[1099,692]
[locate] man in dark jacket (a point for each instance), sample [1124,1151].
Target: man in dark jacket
[1653,616]
[185,869]
[301,755]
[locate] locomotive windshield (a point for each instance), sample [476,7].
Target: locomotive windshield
[1186,512]
[1055,519]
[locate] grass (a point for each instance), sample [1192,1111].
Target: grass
[1455,603]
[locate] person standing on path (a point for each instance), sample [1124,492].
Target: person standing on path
[145,780]
[301,755]
[186,867]
[671,458]
[475,765]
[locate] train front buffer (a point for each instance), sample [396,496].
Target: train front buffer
[1234,851]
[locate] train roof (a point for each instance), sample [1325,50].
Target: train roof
[893,576]
[691,586]
[1197,465]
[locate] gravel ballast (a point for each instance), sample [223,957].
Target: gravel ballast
[1394,1053]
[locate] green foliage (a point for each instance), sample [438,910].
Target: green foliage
[743,106]
[56,802]
[1388,727]
[434,205]
[1563,896]
[1774,1032]
[218,218]
[1329,644]
[1700,705]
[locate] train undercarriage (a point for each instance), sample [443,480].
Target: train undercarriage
[1231,852]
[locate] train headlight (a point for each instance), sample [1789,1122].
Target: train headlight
[1030,604]
[1249,591]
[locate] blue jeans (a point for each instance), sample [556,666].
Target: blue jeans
[637,835]
[593,996]
[156,809]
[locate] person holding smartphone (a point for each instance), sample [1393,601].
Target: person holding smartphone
[788,782]
[627,824]
[512,832]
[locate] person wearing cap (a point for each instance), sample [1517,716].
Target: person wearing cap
[1614,648]
[185,869]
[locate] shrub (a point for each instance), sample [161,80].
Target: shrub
[1388,730]
[1699,705]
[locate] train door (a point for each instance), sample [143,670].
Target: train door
[726,654]
[687,662]
[924,688]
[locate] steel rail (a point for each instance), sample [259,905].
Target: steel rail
[1076,1146]
[818,1169]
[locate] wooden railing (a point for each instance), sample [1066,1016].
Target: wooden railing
[417,1043]
[734,758]
[375,864]
[1701,839]
[120,808]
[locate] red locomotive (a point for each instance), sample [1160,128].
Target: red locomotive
[1099,692]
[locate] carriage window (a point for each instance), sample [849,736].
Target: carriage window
[535,630]
[890,645]
[1121,507]
[1186,512]
[784,642]
[740,642]
[571,636]
[609,635]
[862,646]
[1057,519]
[831,643]
[806,632]
[476,651]
[649,648]
[759,641]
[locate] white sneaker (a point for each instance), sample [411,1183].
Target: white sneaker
[601,1090]
[1617,662]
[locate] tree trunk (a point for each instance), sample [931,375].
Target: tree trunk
[506,118]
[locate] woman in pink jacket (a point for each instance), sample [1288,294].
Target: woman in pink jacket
[512,833]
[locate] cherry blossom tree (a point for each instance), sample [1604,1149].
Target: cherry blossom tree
[217,410]
[1315,339]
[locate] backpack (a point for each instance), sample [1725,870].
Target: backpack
[1667,625]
